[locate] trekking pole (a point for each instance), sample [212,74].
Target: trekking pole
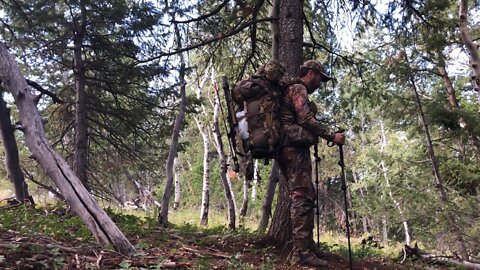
[317,162]
[344,188]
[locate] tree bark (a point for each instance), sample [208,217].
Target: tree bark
[442,70]
[291,55]
[291,35]
[54,166]
[172,153]
[436,172]
[275,29]
[10,149]
[451,95]
[227,186]
[205,206]
[384,230]
[269,194]
[281,227]
[244,208]
[416,252]
[255,180]
[80,155]
[176,169]
[387,182]
[472,48]
[365,221]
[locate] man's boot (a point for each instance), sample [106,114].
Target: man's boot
[317,251]
[309,259]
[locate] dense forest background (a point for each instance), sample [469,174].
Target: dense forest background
[130,96]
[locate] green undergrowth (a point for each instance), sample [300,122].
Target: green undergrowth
[51,221]
[339,244]
[59,223]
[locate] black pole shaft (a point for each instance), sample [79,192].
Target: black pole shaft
[344,188]
[317,163]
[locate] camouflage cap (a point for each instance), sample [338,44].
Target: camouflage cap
[315,65]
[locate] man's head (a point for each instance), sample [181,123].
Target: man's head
[312,73]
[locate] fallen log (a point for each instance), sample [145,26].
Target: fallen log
[415,252]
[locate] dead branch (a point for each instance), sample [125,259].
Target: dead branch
[416,252]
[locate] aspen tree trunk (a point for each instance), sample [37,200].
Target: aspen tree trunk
[385,176]
[227,186]
[255,180]
[205,205]
[273,179]
[472,47]
[54,166]
[365,225]
[176,169]
[384,230]
[244,208]
[10,150]
[80,154]
[436,172]
[291,55]
[365,221]
[163,216]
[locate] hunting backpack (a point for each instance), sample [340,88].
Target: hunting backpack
[257,102]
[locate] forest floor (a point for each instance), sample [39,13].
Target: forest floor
[56,239]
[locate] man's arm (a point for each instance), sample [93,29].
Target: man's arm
[305,117]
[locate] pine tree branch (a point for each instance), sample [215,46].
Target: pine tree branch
[39,88]
[206,16]
[219,37]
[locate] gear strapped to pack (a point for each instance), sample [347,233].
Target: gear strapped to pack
[257,102]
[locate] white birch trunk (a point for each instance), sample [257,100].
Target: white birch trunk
[205,205]
[385,176]
[244,208]
[384,230]
[255,180]
[365,220]
[176,168]
[54,166]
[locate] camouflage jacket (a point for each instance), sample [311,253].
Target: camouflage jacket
[295,110]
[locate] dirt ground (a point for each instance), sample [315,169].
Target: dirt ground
[164,249]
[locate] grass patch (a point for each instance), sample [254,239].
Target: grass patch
[339,244]
[52,222]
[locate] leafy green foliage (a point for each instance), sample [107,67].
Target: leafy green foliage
[53,221]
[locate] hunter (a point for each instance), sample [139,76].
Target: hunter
[302,129]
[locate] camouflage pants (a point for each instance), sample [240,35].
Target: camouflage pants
[295,164]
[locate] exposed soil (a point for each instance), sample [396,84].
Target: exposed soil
[165,248]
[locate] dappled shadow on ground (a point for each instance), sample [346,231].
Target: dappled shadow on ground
[162,248]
